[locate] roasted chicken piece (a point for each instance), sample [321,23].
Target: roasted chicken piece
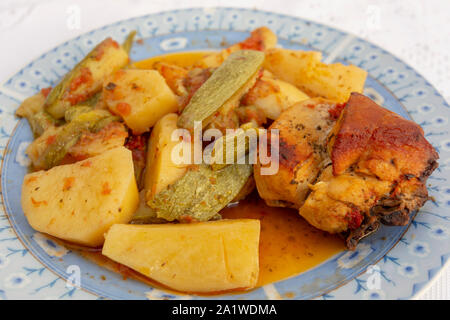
[379,142]
[374,169]
[303,130]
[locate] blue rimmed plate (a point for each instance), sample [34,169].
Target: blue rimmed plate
[399,261]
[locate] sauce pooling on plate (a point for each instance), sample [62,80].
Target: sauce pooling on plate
[181,59]
[288,245]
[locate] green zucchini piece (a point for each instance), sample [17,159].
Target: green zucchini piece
[100,124]
[75,111]
[92,101]
[41,121]
[69,134]
[201,193]
[248,188]
[106,58]
[226,80]
[144,214]
[66,138]
[230,146]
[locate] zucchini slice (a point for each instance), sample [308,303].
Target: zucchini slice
[226,80]
[201,193]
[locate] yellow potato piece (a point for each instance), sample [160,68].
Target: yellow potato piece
[140,97]
[305,70]
[196,257]
[112,59]
[276,102]
[292,66]
[161,170]
[79,202]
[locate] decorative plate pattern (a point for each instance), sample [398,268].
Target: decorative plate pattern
[395,263]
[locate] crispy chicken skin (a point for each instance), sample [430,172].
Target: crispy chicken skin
[374,169]
[379,142]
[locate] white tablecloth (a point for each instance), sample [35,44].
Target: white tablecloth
[414,30]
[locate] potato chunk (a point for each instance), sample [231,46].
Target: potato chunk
[273,96]
[292,66]
[305,70]
[79,202]
[140,97]
[161,170]
[195,257]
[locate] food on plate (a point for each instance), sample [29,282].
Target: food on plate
[56,143]
[199,257]
[261,39]
[201,193]
[272,96]
[303,130]
[159,160]
[347,175]
[174,75]
[374,143]
[144,214]
[317,79]
[79,202]
[140,97]
[223,89]
[86,79]
[32,109]
[234,146]
[161,169]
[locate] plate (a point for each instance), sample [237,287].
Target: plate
[395,263]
